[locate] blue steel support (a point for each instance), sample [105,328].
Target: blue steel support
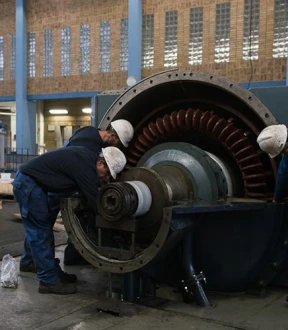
[287,70]
[134,38]
[58,96]
[262,84]
[94,111]
[25,110]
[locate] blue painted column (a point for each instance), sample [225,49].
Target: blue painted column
[25,110]
[94,111]
[287,70]
[134,38]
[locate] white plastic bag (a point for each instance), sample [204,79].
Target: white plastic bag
[9,272]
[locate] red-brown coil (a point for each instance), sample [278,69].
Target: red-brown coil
[234,139]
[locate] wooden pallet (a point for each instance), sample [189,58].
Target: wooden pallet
[6,188]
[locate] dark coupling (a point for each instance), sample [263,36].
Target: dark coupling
[117,200]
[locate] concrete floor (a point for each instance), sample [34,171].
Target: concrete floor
[23,308]
[12,232]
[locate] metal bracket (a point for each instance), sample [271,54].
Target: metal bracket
[196,279]
[192,290]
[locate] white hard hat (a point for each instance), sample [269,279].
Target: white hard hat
[115,160]
[272,139]
[124,130]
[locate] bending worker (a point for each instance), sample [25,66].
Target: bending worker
[119,133]
[60,171]
[273,141]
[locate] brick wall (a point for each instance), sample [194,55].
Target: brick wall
[7,28]
[266,68]
[51,14]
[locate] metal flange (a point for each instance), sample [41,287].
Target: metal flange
[159,192]
[93,252]
[238,99]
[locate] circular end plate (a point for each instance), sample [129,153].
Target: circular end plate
[159,192]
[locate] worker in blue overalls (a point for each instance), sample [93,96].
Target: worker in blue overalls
[61,171]
[119,132]
[273,141]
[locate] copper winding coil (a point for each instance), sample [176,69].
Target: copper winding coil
[225,131]
[251,167]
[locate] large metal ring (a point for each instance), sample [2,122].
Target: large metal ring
[92,253]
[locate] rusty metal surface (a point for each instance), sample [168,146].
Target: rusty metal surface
[125,224]
[118,108]
[179,183]
[92,251]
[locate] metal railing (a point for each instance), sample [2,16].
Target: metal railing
[14,158]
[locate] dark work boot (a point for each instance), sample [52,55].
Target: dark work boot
[73,257]
[57,288]
[65,277]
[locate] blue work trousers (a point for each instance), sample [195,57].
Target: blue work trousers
[38,220]
[53,209]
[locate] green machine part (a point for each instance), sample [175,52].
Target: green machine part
[100,103]
[276,100]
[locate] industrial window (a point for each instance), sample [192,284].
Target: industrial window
[48,54]
[148,41]
[1,58]
[170,51]
[251,30]
[280,41]
[222,35]
[105,52]
[66,51]
[85,49]
[13,57]
[196,35]
[31,54]
[124,45]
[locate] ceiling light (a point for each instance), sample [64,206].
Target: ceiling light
[87,110]
[58,111]
[7,114]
